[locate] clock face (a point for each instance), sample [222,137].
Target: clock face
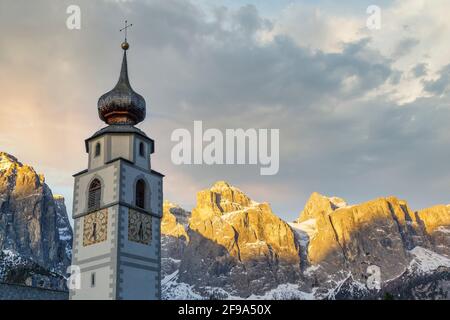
[139,227]
[95,227]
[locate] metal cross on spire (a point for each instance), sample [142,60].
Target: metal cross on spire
[126,29]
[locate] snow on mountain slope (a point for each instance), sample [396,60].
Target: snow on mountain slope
[174,290]
[306,230]
[427,261]
[8,259]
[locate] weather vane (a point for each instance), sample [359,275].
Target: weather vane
[125,44]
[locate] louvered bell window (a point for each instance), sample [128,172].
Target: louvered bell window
[95,193]
[140,194]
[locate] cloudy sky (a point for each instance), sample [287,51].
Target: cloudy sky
[362,113]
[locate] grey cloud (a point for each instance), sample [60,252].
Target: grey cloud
[440,85]
[405,46]
[248,20]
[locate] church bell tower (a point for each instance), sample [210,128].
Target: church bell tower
[117,204]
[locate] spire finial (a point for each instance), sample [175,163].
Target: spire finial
[122,105]
[125,44]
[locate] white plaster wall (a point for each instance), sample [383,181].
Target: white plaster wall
[101,291]
[95,162]
[121,146]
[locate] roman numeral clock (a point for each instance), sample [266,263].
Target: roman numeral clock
[117,206]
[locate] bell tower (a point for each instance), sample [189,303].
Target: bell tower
[117,204]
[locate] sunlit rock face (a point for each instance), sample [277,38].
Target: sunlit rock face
[436,222]
[237,244]
[174,237]
[33,224]
[376,232]
[231,246]
[342,242]
[175,220]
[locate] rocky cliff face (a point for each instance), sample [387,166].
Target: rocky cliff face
[379,232]
[237,244]
[33,224]
[174,226]
[347,245]
[234,244]
[64,228]
[436,223]
[234,247]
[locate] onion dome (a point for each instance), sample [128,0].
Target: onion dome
[122,105]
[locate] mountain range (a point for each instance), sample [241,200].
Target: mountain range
[35,232]
[232,247]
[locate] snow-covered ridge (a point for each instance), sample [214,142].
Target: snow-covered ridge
[426,261]
[338,202]
[306,230]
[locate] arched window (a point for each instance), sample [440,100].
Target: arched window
[140,193]
[142,149]
[98,149]
[95,193]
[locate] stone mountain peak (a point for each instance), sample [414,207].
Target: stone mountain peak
[7,161]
